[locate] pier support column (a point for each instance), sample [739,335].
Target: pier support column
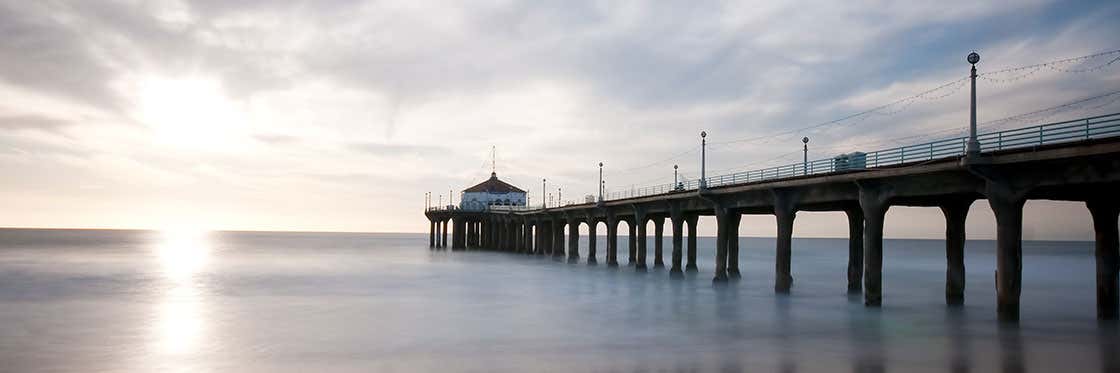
[431,233]
[526,237]
[483,228]
[658,242]
[592,236]
[497,234]
[529,237]
[460,235]
[855,250]
[640,264]
[1008,208]
[482,241]
[470,234]
[547,240]
[573,239]
[723,224]
[676,219]
[955,212]
[501,231]
[640,237]
[538,237]
[443,240]
[734,218]
[785,210]
[477,229]
[690,265]
[874,205]
[1108,257]
[633,241]
[558,237]
[511,235]
[507,234]
[612,241]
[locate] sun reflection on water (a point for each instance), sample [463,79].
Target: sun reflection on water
[179,317]
[183,253]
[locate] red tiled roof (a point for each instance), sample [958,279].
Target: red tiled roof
[493,185]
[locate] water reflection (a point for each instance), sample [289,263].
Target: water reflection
[1108,340]
[866,334]
[179,322]
[960,360]
[1011,349]
[338,302]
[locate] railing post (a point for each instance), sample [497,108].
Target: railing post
[999,142]
[1040,136]
[1086,128]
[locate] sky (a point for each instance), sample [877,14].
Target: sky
[341,115]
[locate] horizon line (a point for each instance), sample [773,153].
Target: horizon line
[668,236]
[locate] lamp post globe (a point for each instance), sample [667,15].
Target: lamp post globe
[973,58]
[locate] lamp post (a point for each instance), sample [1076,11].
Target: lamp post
[600,181]
[602,188]
[674,177]
[550,199]
[805,158]
[544,204]
[703,155]
[559,196]
[973,143]
[441,200]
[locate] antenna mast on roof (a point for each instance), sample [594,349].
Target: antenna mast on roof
[493,159]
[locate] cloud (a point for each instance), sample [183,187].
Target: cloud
[394,150]
[32,122]
[365,103]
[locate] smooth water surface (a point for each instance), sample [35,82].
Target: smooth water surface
[135,301]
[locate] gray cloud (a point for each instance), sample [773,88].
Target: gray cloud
[396,150]
[33,122]
[319,88]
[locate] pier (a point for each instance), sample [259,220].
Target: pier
[1075,160]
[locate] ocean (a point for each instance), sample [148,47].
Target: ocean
[147,301]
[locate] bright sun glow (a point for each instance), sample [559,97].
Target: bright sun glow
[191,113]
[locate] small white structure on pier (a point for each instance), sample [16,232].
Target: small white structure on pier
[492,192]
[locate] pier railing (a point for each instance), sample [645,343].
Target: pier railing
[1047,134]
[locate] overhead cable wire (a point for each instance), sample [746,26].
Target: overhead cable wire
[847,117]
[1051,64]
[952,88]
[1074,105]
[655,163]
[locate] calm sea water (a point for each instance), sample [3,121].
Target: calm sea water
[135,301]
